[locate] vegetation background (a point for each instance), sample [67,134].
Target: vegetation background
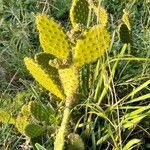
[19,38]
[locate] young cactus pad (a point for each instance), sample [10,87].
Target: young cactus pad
[52,38]
[5,117]
[92,46]
[101,15]
[79,13]
[43,78]
[21,123]
[70,80]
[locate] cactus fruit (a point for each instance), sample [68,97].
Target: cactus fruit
[70,80]
[94,44]
[79,14]
[75,142]
[43,78]
[33,130]
[5,117]
[39,111]
[52,38]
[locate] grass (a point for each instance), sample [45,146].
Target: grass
[114,108]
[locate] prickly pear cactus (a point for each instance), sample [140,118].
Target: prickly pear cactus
[21,123]
[44,78]
[79,14]
[125,28]
[33,130]
[94,44]
[102,16]
[39,111]
[75,142]
[70,80]
[52,37]
[6,117]
[25,110]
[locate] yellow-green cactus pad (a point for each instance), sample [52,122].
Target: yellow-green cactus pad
[75,142]
[52,37]
[70,80]
[94,44]
[25,110]
[43,60]
[33,130]
[125,19]
[124,34]
[44,78]
[39,111]
[102,15]
[79,14]
[5,117]
[21,123]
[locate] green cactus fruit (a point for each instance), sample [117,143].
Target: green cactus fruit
[5,117]
[102,15]
[25,110]
[124,34]
[79,14]
[39,111]
[44,78]
[33,130]
[70,80]
[52,37]
[21,123]
[92,46]
[75,142]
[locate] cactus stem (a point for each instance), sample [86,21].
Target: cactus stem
[59,141]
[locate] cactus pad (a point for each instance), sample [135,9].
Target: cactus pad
[101,15]
[92,46]
[43,60]
[75,142]
[21,122]
[70,80]
[125,19]
[52,38]
[5,117]
[25,110]
[39,111]
[79,14]
[33,130]
[43,78]
[124,34]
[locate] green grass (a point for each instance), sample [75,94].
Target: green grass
[114,107]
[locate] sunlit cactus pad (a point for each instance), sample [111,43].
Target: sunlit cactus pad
[5,117]
[70,80]
[102,16]
[92,46]
[79,14]
[52,37]
[44,78]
